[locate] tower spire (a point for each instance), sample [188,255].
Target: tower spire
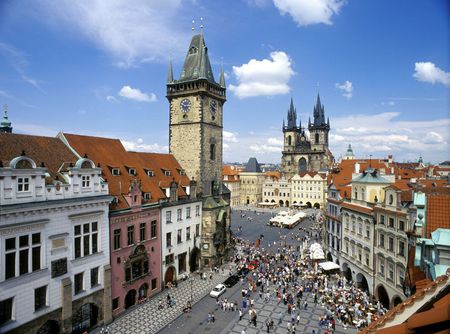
[5,125]
[222,77]
[170,74]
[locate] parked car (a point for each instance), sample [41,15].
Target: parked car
[218,290]
[243,272]
[253,264]
[231,281]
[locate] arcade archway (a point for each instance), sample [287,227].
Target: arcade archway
[317,205]
[281,203]
[170,275]
[396,300]
[361,282]
[84,318]
[130,298]
[383,296]
[329,257]
[49,327]
[194,260]
[308,205]
[347,272]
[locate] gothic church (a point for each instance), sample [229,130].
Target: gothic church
[302,153]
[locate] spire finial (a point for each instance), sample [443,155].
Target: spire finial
[201,25]
[193,27]
[5,110]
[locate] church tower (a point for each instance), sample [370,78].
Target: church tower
[291,131]
[318,129]
[5,125]
[196,141]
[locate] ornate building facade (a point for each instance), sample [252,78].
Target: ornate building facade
[196,141]
[303,152]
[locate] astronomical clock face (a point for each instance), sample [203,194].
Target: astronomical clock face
[185,105]
[213,107]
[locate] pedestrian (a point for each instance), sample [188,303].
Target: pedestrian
[280,318]
[267,325]
[240,314]
[213,317]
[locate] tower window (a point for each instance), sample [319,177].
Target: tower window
[212,152]
[289,140]
[317,138]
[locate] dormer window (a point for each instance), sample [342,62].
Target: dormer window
[147,196]
[167,172]
[150,173]
[115,171]
[131,171]
[181,172]
[115,200]
[85,181]
[23,184]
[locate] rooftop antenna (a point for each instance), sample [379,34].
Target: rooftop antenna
[193,28]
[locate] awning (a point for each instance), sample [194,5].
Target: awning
[326,266]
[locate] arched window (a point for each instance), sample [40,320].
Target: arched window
[317,138]
[289,140]
[212,151]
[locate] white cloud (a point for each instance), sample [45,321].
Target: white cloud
[262,149]
[130,31]
[140,146]
[111,98]
[275,141]
[429,72]
[306,12]
[19,62]
[226,147]
[230,137]
[263,77]
[388,103]
[383,133]
[346,88]
[135,94]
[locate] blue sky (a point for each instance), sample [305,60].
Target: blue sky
[100,68]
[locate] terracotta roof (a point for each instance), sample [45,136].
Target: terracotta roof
[273,174]
[433,314]
[49,151]
[357,208]
[438,212]
[312,174]
[110,153]
[229,170]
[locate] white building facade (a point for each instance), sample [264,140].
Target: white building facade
[54,242]
[309,188]
[277,191]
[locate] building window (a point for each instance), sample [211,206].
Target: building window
[401,248]
[382,219]
[197,210]
[130,234]
[117,243]
[85,181]
[40,298]
[197,230]
[142,231]
[153,233]
[367,231]
[78,283]
[360,228]
[169,259]
[212,152]
[359,255]
[115,303]
[188,233]
[401,225]
[401,277]
[179,213]
[154,283]
[23,184]
[382,266]
[391,222]
[188,212]
[24,253]
[179,235]
[391,271]
[168,217]
[167,173]
[132,171]
[6,310]
[86,239]
[94,277]
[391,244]
[169,239]
[147,196]
[115,171]
[381,240]
[346,247]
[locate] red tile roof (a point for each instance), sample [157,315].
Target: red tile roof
[357,208]
[433,315]
[110,153]
[438,212]
[49,151]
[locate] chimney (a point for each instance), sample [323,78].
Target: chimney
[173,191]
[357,168]
[193,189]
[390,158]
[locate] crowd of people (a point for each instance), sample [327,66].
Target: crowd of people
[286,274]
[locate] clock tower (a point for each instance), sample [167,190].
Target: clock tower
[196,141]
